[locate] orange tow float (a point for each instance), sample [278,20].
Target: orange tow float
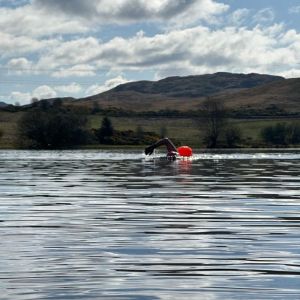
[185,151]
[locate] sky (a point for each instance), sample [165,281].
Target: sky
[78,48]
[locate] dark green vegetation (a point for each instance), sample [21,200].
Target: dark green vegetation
[51,127]
[282,134]
[108,135]
[54,126]
[218,110]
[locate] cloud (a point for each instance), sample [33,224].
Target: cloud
[75,71]
[195,50]
[201,49]
[19,66]
[292,73]
[77,53]
[294,10]
[19,97]
[15,45]
[72,88]
[239,16]
[109,84]
[40,18]
[265,15]
[30,21]
[133,11]
[43,92]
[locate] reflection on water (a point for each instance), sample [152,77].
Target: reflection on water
[114,225]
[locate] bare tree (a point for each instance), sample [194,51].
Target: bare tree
[214,120]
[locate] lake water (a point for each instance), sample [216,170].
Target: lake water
[114,225]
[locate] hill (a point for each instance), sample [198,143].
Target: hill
[283,95]
[3,104]
[197,86]
[187,93]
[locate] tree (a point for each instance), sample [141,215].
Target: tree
[106,131]
[51,129]
[1,133]
[233,136]
[276,134]
[214,120]
[281,134]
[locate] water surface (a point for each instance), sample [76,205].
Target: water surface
[117,225]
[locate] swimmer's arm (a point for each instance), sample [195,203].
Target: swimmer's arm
[165,141]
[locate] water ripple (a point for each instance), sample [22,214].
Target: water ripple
[114,225]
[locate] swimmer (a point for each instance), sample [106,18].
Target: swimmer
[172,151]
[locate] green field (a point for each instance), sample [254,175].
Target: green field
[182,130]
[190,131]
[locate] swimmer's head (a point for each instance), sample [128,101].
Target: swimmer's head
[172,155]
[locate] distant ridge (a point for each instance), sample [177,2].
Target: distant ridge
[3,104]
[248,93]
[198,85]
[238,91]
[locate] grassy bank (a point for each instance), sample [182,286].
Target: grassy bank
[182,130]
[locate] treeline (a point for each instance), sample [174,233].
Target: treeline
[53,126]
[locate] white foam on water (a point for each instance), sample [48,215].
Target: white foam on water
[123,155]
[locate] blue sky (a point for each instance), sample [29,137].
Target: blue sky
[77,48]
